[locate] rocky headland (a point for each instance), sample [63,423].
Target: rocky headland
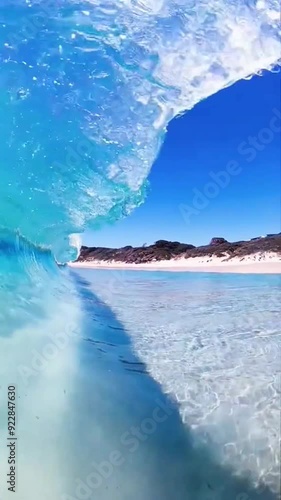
[163,250]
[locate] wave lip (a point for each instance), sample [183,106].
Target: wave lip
[28,286]
[87,90]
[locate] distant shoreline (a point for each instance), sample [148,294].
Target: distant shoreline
[259,263]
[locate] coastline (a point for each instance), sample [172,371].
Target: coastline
[259,263]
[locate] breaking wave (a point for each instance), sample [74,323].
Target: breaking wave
[88,87]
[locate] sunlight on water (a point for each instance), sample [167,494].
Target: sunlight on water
[213,342]
[87,89]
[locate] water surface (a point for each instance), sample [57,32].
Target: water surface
[212,342]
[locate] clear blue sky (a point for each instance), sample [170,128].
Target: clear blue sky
[205,140]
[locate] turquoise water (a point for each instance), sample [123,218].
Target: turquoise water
[87,89]
[153,386]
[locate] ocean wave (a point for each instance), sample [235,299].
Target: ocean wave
[88,88]
[30,283]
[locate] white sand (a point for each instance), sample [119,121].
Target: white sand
[259,263]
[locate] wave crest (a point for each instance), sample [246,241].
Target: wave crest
[88,89]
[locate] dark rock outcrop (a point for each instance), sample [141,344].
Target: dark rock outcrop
[166,250]
[217,241]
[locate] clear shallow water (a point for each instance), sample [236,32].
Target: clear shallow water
[153,386]
[213,344]
[87,89]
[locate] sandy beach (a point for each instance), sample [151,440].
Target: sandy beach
[260,263]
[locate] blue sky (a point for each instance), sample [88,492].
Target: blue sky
[239,124]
